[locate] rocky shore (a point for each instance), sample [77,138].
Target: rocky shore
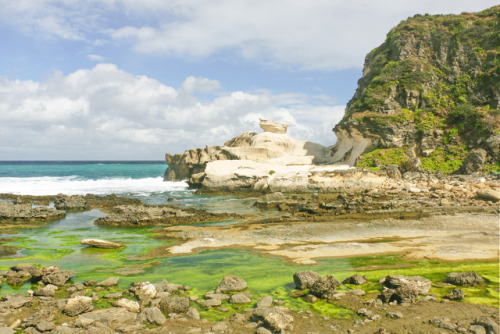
[55,304]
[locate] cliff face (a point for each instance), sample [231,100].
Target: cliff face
[429,95]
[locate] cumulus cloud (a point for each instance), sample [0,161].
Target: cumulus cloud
[108,113]
[298,34]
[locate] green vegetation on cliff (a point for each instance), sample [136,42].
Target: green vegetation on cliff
[432,88]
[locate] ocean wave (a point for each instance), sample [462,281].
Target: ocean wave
[73,185]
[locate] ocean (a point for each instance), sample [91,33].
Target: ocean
[125,178]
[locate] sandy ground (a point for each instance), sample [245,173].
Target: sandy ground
[451,237]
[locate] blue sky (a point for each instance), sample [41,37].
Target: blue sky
[134,79]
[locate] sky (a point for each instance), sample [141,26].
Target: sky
[135,79]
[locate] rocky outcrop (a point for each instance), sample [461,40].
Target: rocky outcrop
[273,146]
[273,127]
[431,86]
[100,243]
[13,213]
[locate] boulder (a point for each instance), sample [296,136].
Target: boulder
[420,284]
[154,316]
[265,301]
[144,289]
[274,318]
[193,313]
[100,243]
[128,304]
[305,279]
[473,161]
[109,282]
[78,305]
[455,294]
[272,126]
[174,304]
[464,279]
[27,213]
[406,293]
[355,279]
[116,318]
[489,324]
[46,291]
[71,203]
[231,283]
[240,298]
[489,195]
[325,287]
[54,275]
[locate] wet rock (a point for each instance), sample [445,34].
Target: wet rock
[456,294]
[17,278]
[130,305]
[305,279]
[109,282]
[78,305]
[355,279]
[174,304]
[240,298]
[231,283]
[325,287]
[464,279]
[420,284]
[100,243]
[489,324]
[310,298]
[154,316]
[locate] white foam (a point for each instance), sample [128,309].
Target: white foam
[72,185]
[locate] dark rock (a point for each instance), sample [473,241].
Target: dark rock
[72,203]
[464,279]
[355,279]
[231,283]
[325,287]
[456,294]
[305,279]
[386,295]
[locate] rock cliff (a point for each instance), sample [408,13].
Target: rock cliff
[429,95]
[273,146]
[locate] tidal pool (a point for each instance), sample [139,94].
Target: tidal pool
[59,244]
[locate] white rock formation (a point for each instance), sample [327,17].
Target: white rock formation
[272,126]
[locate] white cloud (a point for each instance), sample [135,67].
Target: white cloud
[107,113]
[96,58]
[298,34]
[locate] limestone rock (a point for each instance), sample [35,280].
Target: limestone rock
[274,318]
[464,278]
[78,305]
[111,281]
[489,324]
[130,305]
[420,284]
[145,289]
[355,279]
[54,275]
[489,195]
[240,298]
[265,301]
[174,304]
[193,313]
[325,287]
[100,243]
[231,283]
[455,294]
[27,213]
[305,279]
[272,126]
[71,203]
[474,161]
[154,316]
